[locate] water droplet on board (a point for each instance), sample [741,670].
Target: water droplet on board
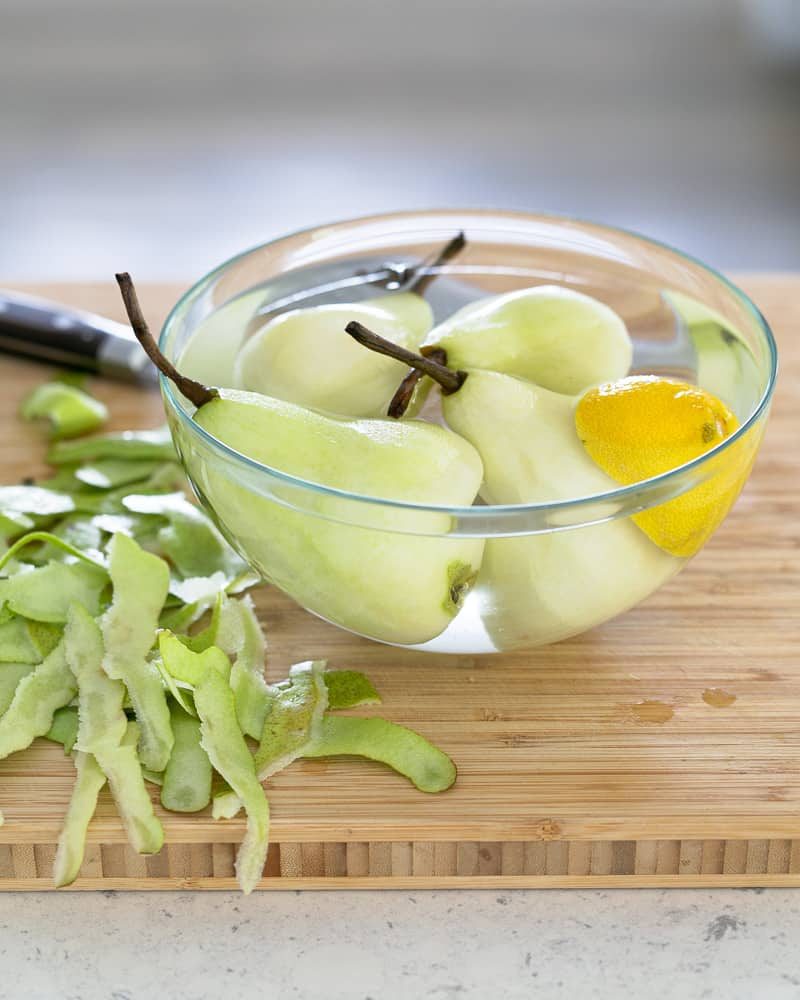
[657,712]
[718,698]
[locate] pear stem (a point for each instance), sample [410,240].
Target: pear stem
[417,277]
[405,391]
[423,274]
[449,380]
[421,278]
[195,392]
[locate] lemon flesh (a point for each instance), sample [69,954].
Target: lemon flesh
[643,426]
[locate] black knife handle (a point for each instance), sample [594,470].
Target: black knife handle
[35,329]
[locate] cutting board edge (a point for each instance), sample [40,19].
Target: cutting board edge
[350,863]
[503,882]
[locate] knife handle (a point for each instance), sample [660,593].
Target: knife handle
[36,328]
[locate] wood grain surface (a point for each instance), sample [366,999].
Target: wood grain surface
[563,780]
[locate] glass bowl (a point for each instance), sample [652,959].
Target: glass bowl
[392,571]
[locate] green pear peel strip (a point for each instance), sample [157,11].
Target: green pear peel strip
[240,635]
[34,500]
[187,778]
[13,523]
[45,637]
[64,729]
[200,641]
[408,753]
[165,479]
[349,689]
[101,718]
[102,731]
[294,718]
[189,540]
[345,689]
[296,709]
[24,641]
[225,804]
[10,676]
[79,532]
[45,594]
[89,780]
[129,626]
[154,445]
[183,616]
[223,741]
[173,687]
[36,699]
[48,538]
[62,481]
[198,589]
[109,473]
[69,410]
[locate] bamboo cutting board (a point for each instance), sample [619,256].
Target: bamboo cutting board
[660,749]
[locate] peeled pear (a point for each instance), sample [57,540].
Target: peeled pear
[540,588]
[210,353]
[559,338]
[725,363]
[368,577]
[301,356]
[349,561]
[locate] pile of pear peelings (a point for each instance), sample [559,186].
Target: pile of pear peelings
[123,637]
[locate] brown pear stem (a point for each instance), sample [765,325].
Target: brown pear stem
[421,278]
[449,380]
[195,392]
[423,274]
[405,391]
[417,277]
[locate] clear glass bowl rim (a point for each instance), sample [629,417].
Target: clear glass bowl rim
[657,488]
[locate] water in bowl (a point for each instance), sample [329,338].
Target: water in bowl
[673,336]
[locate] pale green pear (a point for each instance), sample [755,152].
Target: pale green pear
[210,353]
[559,338]
[410,309]
[539,588]
[369,577]
[395,573]
[304,357]
[725,363]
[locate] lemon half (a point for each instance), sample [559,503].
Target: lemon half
[642,426]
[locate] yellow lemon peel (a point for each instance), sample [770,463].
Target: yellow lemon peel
[642,426]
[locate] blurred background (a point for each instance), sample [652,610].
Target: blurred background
[164,135]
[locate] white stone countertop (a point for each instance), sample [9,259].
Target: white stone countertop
[682,944]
